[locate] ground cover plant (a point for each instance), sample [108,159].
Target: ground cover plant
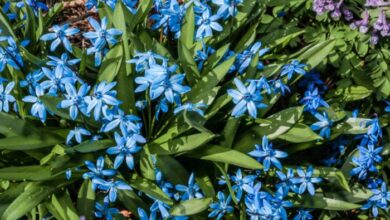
[220,109]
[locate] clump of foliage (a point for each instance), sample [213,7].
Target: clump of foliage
[222,109]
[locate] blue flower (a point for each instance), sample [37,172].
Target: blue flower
[101,38]
[246,99]
[202,55]
[38,108]
[77,133]
[362,168]
[387,109]
[60,36]
[227,8]
[374,131]
[125,122]
[244,59]
[303,214]
[191,191]
[306,180]
[6,8]
[144,216]
[381,195]
[68,174]
[112,187]
[206,24]
[169,16]
[131,5]
[263,84]
[241,182]
[13,50]
[143,61]
[267,155]
[55,81]
[324,124]
[285,181]
[160,206]
[154,75]
[34,5]
[6,97]
[124,149]
[63,65]
[103,95]
[162,106]
[313,79]
[6,58]
[169,86]
[312,99]
[221,207]
[104,211]
[32,80]
[75,100]
[293,67]
[374,205]
[279,204]
[279,87]
[191,108]
[370,154]
[97,171]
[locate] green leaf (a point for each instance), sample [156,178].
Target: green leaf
[33,194]
[280,122]
[5,26]
[13,126]
[93,146]
[61,206]
[214,59]
[149,188]
[86,199]
[300,133]
[190,207]
[202,89]
[188,64]
[321,202]
[352,126]
[187,32]
[33,172]
[166,164]
[111,64]
[316,54]
[225,155]
[31,142]
[351,93]
[182,144]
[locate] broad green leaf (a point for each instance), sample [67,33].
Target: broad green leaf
[31,142]
[166,164]
[93,146]
[61,206]
[187,32]
[280,123]
[5,27]
[190,207]
[351,93]
[13,126]
[33,194]
[300,133]
[317,53]
[86,199]
[188,63]
[149,188]
[214,59]
[194,120]
[202,89]
[352,126]
[111,64]
[33,172]
[321,202]
[182,144]
[225,155]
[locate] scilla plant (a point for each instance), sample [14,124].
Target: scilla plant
[183,110]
